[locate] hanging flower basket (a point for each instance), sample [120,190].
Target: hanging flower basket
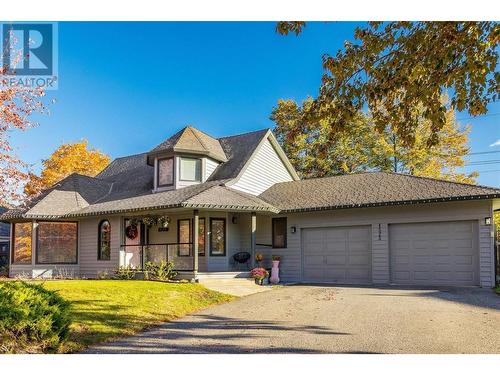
[148,221]
[163,221]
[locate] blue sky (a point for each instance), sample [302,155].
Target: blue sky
[127,86]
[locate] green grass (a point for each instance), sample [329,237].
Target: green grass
[497,289]
[102,310]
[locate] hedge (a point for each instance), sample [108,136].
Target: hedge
[32,318]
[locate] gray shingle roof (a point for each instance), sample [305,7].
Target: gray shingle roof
[238,149]
[70,194]
[191,140]
[127,183]
[211,194]
[368,190]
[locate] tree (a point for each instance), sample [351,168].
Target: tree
[315,151]
[394,67]
[17,104]
[67,159]
[437,161]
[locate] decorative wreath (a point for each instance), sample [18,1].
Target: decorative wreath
[131,232]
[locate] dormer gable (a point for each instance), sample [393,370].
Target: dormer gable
[187,158]
[189,140]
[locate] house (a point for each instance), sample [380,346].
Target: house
[4,243]
[197,200]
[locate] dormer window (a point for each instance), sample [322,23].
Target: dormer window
[189,169]
[165,172]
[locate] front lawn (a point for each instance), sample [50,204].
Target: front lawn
[105,309]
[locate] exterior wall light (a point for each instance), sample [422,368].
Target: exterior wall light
[487,221]
[293,229]
[234,220]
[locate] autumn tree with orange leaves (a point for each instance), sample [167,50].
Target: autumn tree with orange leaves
[67,159]
[17,104]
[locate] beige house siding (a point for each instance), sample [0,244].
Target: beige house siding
[90,266]
[210,166]
[291,264]
[264,170]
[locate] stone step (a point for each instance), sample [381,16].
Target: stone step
[223,275]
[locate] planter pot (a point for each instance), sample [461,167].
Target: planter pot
[265,281]
[258,281]
[275,271]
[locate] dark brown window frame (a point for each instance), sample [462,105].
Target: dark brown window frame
[212,219]
[179,236]
[191,158]
[99,240]
[158,171]
[12,241]
[275,219]
[38,242]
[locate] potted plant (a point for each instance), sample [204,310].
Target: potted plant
[259,274]
[259,257]
[275,271]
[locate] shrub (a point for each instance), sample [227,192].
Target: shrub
[159,271]
[126,272]
[32,319]
[276,258]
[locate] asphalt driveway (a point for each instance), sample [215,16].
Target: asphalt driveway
[319,319]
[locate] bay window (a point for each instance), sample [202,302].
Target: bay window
[165,172]
[189,169]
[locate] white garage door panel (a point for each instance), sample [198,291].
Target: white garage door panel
[443,253]
[340,255]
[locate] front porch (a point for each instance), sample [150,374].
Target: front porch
[196,242]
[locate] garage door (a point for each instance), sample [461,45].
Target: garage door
[434,253]
[338,255]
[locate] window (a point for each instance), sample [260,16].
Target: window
[104,241]
[184,237]
[165,172]
[21,250]
[189,169]
[279,232]
[217,237]
[201,236]
[56,243]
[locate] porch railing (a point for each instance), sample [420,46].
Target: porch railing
[180,254]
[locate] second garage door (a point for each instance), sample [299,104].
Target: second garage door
[337,255]
[443,253]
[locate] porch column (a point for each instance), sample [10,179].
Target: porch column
[253,231]
[196,225]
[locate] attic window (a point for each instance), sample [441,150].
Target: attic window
[166,172]
[190,169]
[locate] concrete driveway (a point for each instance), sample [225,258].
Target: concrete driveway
[319,319]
